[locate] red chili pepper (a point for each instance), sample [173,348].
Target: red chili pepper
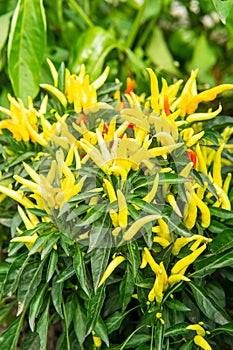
[166,106]
[192,156]
[129,85]
[81,118]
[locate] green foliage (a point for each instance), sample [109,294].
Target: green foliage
[54,286]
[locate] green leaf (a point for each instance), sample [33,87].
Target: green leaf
[177,305]
[227,328]
[4,310]
[57,296]
[222,242]
[91,49]
[223,8]
[53,259]
[79,321]
[134,257]
[177,329]
[101,330]
[208,305]
[9,338]
[187,346]
[80,269]
[14,273]
[29,281]
[137,339]
[93,215]
[94,307]
[221,213]
[114,321]
[68,272]
[42,327]
[159,335]
[36,304]
[99,234]
[99,262]
[26,47]
[164,59]
[44,241]
[206,266]
[31,341]
[4,24]
[126,287]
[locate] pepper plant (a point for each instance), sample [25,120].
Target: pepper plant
[118,216]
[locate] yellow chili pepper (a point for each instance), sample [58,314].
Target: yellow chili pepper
[162,241]
[154,91]
[157,289]
[217,174]
[122,209]
[200,341]
[144,260]
[181,242]
[225,202]
[177,278]
[171,200]
[57,93]
[181,266]
[112,198]
[137,225]
[194,139]
[205,212]
[164,150]
[150,195]
[201,165]
[96,340]
[164,230]
[111,267]
[198,328]
[227,182]
[197,117]
[153,264]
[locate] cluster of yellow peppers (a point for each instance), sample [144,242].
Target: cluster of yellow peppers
[174,121]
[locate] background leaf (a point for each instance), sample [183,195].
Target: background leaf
[26,47]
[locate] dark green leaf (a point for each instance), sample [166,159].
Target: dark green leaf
[159,335]
[4,310]
[80,269]
[208,305]
[53,259]
[99,262]
[80,320]
[29,281]
[176,305]
[227,328]
[101,330]
[42,327]
[9,338]
[99,234]
[187,346]
[206,266]
[93,215]
[68,272]
[14,273]
[94,307]
[49,244]
[138,339]
[126,287]
[177,329]
[57,296]
[36,305]
[26,47]
[31,341]
[134,257]
[222,242]
[221,213]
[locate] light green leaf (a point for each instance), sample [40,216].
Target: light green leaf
[223,8]
[159,53]
[26,47]
[4,25]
